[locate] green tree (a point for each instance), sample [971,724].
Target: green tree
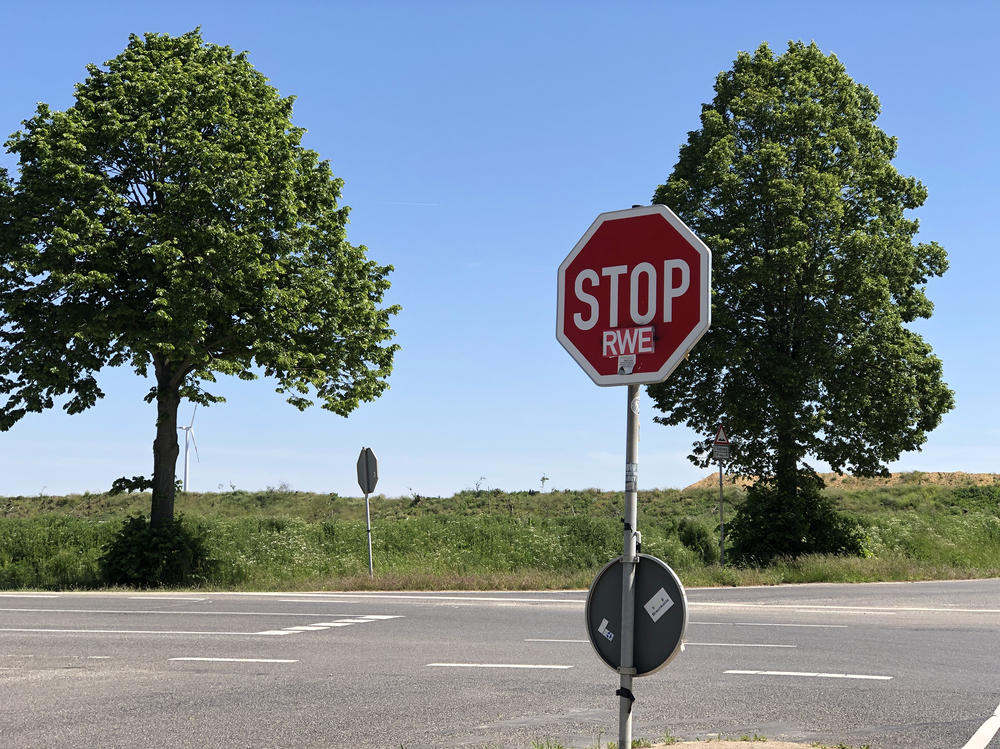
[816,275]
[171,221]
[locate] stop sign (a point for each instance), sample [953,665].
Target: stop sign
[634,296]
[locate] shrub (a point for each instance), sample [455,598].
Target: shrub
[141,555]
[697,537]
[769,524]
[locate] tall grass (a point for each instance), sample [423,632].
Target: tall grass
[51,552]
[492,539]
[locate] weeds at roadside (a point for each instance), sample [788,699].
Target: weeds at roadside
[493,539]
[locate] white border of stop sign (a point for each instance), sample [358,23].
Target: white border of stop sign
[617,278]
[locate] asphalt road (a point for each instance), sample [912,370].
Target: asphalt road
[901,666]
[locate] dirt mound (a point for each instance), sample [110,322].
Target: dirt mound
[833,480]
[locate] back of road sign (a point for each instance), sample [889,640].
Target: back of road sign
[367,470]
[660,614]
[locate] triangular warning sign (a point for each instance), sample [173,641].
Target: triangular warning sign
[720,436]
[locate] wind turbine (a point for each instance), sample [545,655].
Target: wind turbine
[189,439]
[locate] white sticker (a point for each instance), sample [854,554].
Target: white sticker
[631,476]
[626,364]
[658,605]
[603,629]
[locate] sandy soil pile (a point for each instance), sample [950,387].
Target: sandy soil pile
[915,478]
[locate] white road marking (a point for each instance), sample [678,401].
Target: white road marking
[497,665]
[738,645]
[314,600]
[164,598]
[29,595]
[771,624]
[814,610]
[236,660]
[178,612]
[275,632]
[354,620]
[806,608]
[712,644]
[367,619]
[125,631]
[810,674]
[445,599]
[540,640]
[981,738]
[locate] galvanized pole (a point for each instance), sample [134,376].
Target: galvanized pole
[629,561]
[722,523]
[368,522]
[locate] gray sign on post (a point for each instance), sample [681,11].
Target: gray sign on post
[660,614]
[367,470]
[367,478]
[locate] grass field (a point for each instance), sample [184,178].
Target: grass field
[917,526]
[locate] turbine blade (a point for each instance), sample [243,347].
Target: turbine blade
[193,411]
[195,443]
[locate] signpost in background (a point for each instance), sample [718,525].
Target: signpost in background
[720,451]
[634,297]
[367,478]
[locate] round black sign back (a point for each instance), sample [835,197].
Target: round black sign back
[660,614]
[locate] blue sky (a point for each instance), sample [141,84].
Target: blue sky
[478,141]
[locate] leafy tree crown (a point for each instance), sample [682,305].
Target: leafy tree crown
[171,217]
[816,273]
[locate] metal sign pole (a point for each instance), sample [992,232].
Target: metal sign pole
[367,479]
[629,560]
[368,522]
[722,523]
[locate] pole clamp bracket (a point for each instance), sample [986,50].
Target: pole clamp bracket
[627,671]
[627,694]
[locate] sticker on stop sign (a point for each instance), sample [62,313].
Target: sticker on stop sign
[634,296]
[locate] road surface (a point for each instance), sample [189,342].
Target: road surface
[893,665]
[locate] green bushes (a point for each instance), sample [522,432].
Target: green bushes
[697,537]
[770,524]
[141,555]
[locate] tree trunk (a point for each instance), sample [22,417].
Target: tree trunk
[786,466]
[165,449]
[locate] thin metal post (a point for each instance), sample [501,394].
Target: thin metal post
[722,523]
[368,522]
[629,561]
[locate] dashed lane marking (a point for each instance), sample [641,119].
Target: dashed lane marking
[318,626]
[805,608]
[810,674]
[712,644]
[236,660]
[773,624]
[738,645]
[543,640]
[498,665]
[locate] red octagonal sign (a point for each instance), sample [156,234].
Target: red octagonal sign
[634,296]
